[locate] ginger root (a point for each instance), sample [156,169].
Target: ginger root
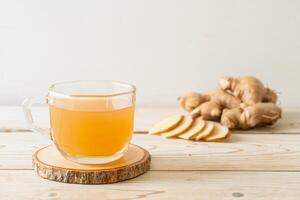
[257,115]
[231,117]
[260,114]
[208,105]
[249,89]
[240,103]
[209,110]
[191,100]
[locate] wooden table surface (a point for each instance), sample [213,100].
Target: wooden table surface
[257,164]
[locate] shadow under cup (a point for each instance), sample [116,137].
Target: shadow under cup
[92,121]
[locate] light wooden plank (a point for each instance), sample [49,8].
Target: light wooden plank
[243,152]
[211,185]
[12,119]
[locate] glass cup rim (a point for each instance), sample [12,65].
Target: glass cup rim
[53,92]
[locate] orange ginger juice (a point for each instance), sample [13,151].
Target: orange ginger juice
[88,128]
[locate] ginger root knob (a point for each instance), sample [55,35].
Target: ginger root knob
[239,103]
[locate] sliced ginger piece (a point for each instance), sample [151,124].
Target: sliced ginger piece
[185,124]
[208,128]
[197,126]
[166,124]
[218,133]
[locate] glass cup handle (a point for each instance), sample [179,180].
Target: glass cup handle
[27,104]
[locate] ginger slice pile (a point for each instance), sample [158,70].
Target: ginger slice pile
[186,127]
[238,103]
[166,124]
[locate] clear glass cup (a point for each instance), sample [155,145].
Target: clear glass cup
[91,121]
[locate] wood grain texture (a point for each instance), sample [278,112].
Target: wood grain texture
[180,169]
[50,164]
[242,152]
[12,119]
[25,185]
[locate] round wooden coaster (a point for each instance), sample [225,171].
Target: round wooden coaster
[50,164]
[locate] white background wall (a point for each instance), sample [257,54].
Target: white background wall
[165,47]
